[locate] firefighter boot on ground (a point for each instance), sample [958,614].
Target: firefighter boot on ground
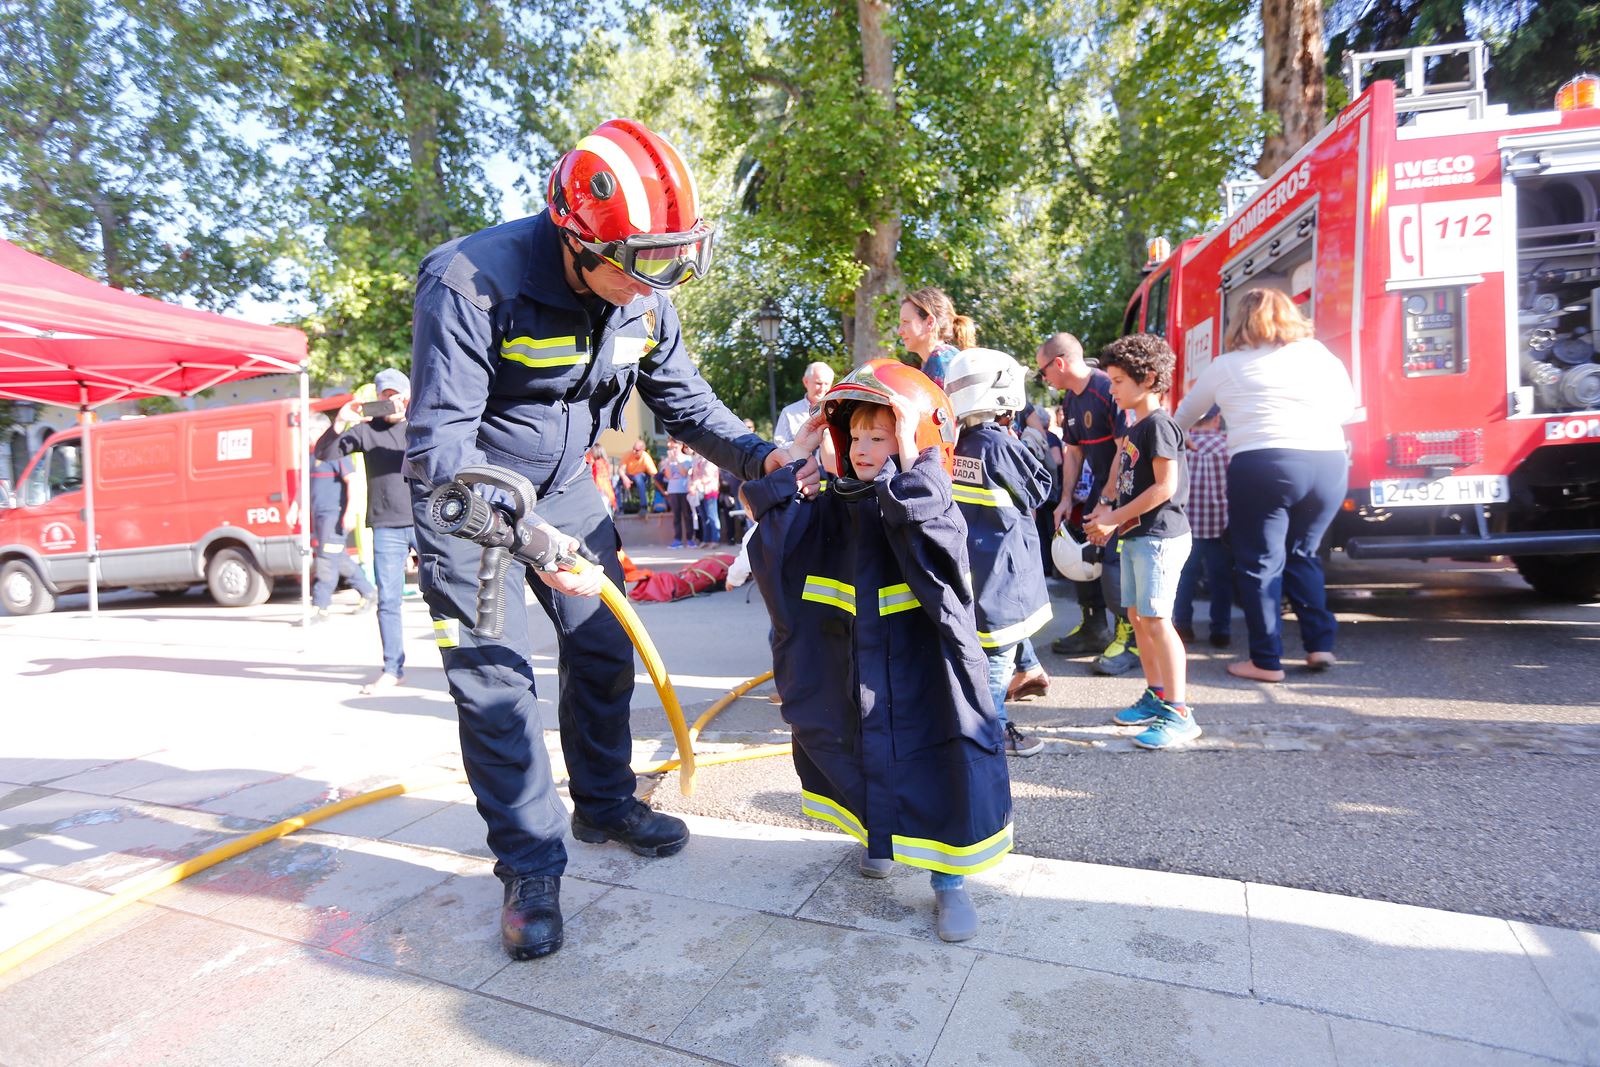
[530,920]
[649,833]
[1086,638]
[1122,654]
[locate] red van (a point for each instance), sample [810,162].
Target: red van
[182,498]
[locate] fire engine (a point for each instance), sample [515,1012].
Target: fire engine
[1449,253]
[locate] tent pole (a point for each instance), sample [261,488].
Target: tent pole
[85,417]
[305,499]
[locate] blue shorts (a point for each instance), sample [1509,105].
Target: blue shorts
[1150,570]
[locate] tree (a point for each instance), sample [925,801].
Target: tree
[879,136]
[1154,108]
[1292,85]
[393,109]
[119,155]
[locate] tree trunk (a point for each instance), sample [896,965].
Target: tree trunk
[875,250]
[110,240]
[1292,84]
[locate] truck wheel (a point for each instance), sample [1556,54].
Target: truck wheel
[1574,578]
[22,591]
[234,580]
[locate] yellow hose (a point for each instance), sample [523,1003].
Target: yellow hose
[614,599]
[617,601]
[760,752]
[146,884]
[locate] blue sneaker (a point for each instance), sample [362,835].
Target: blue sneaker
[1142,712]
[1170,730]
[676,544]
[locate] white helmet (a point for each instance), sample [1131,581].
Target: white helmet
[982,381]
[1076,560]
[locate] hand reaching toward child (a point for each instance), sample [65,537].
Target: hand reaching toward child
[906,417]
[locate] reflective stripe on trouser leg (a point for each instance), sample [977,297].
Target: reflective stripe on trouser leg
[502,737]
[595,663]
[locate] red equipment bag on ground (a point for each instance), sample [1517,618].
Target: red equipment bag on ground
[701,576]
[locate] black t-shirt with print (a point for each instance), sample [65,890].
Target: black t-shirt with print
[1155,435]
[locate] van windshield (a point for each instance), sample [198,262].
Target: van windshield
[59,472]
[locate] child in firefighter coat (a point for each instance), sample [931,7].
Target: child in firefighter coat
[999,484]
[875,647]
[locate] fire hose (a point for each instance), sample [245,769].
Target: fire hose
[503,536]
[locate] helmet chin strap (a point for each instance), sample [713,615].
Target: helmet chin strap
[584,261]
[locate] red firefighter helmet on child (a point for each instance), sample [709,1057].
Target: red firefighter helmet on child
[627,196]
[873,383]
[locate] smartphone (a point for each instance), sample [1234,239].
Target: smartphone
[374,409]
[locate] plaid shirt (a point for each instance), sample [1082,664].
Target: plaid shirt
[1208,483]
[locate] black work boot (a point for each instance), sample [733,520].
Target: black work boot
[1085,639]
[647,832]
[530,920]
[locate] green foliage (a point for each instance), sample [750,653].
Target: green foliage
[1156,107]
[119,156]
[825,158]
[392,111]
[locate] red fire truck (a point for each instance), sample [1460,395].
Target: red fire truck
[1449,252]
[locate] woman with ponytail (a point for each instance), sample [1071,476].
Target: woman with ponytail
[933,332]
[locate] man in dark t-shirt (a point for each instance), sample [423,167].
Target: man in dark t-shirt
[1090,425]
[380,435]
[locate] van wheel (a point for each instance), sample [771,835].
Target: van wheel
[1571,578]
[22,591]
[234,580]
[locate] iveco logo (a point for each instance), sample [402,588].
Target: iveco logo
[1571,429]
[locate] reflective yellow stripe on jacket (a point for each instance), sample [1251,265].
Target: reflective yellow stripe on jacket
[977,494]
[821,590]
[896,598]
[916,851]
[542,352]
[892,599]
[1010,635]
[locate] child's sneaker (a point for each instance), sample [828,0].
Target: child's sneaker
[1142,712]
[1170,730]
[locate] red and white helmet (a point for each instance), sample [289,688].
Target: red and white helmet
[627,196]
[873,383]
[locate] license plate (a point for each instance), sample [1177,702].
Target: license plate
[1456,489]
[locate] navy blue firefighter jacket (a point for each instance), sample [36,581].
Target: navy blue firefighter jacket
[511,368]
[999,484]
[875,652]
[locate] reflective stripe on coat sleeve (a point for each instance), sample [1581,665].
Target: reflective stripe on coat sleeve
[822,590]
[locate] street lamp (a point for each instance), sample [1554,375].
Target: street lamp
[768,320]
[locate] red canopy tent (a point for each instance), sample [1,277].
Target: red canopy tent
[70,341]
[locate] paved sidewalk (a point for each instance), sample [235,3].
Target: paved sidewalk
[372,938]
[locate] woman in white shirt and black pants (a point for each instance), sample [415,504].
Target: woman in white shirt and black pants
[1285,398]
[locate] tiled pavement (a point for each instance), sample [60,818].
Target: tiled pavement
[371,938]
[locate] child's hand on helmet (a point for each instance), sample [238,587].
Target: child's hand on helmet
[809,439]
[906,418]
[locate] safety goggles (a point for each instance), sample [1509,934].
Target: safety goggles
[659,260]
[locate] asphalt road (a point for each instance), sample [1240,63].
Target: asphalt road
[1451,760]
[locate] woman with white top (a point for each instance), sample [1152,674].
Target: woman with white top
[1285,398]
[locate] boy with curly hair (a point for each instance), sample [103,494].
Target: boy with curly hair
[1146,494]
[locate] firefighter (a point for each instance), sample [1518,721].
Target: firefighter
[875,646]
[529,338]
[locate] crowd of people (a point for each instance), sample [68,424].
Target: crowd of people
[903,519]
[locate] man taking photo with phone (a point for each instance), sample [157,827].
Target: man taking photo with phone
[377,429]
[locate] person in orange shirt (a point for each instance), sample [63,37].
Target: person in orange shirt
[640,467]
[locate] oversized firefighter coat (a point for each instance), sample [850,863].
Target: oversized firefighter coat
[876,654]
[999,484]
